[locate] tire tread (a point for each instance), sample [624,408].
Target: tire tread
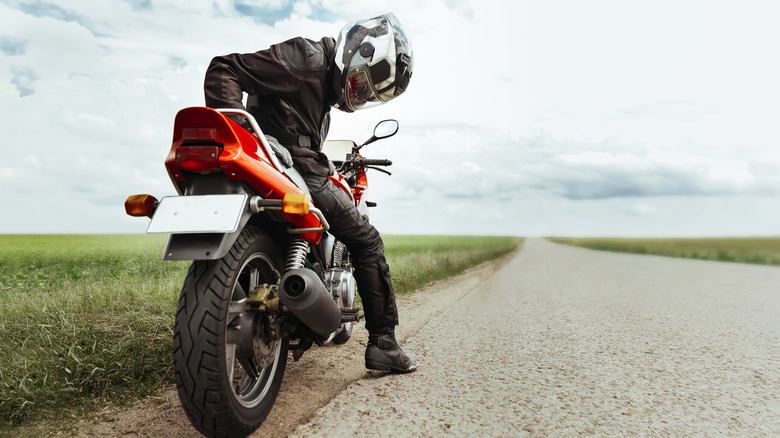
[197,341]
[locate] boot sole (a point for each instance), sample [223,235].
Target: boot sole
[391,368]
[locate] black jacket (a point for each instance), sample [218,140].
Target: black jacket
[290,86]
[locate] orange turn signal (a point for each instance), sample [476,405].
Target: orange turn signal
[295,203]
[140,205]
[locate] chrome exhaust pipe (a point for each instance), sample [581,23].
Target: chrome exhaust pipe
[301,290]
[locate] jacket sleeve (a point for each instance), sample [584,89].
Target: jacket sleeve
[262,73]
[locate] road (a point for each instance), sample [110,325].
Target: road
[564,341]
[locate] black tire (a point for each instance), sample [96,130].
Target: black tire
[223,388]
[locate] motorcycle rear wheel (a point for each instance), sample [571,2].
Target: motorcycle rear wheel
[228,365]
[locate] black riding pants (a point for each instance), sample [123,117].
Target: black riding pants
[366,247]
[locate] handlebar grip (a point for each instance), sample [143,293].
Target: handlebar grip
[382,162]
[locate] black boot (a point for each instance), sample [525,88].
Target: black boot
[384,354]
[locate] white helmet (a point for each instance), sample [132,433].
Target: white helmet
[375,59]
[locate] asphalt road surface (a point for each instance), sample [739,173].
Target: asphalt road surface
[564,341]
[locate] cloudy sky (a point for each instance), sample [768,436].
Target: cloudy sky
[641,118]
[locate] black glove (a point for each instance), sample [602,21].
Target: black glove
[281,152]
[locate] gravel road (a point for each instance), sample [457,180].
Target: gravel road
[549,341]
[564,341]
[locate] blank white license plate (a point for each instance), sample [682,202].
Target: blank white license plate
[198,214]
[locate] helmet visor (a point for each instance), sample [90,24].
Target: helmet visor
[359,90]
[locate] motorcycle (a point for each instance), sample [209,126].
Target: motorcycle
[266,278]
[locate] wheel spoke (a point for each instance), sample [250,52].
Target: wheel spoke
[236,308]
[250,367]
[239,293]
[235,322]
[249,378]
[230,360]
[254,278]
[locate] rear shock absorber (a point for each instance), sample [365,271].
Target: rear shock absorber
[338,254]
[296,255]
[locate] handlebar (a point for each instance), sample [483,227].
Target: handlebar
[377,162]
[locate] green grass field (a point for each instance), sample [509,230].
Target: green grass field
[758,250]
[87,320]
[416,261]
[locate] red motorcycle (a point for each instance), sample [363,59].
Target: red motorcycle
[266,276]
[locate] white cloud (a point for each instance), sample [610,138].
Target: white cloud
[563,117]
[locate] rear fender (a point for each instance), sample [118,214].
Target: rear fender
[206,246]
[242,159]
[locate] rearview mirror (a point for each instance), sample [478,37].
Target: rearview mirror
[386,128]
[383,129]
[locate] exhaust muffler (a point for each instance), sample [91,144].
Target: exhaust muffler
[302,291]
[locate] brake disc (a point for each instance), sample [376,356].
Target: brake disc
[264,342]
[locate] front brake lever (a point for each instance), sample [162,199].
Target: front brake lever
[379,169]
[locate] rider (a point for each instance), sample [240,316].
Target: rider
[290,88]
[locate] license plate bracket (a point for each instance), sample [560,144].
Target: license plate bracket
[198,214]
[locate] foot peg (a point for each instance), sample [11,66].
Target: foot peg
[351,315]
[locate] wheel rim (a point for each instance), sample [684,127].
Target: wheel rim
[250,379]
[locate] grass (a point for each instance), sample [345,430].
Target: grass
[83,320]
[757,250]
[87,320]
[416,261]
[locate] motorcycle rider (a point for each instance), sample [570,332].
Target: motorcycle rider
[291,88]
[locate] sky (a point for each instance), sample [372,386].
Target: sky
[532,118]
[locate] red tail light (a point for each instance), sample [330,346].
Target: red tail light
[198,134]
[198,159]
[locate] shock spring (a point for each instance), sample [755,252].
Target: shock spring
[338,254]
[296,256]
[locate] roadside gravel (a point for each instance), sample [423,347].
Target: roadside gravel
[565,341]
